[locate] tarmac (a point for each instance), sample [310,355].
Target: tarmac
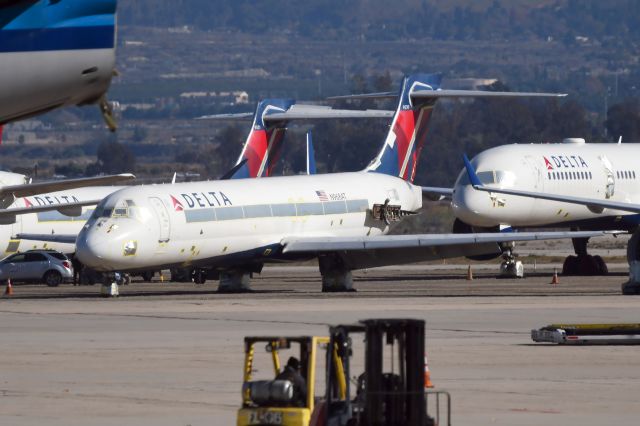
[172,354]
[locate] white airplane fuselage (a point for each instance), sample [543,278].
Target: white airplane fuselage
[50,222]
[220,223]
[591,170]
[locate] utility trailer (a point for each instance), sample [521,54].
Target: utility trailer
[588,334]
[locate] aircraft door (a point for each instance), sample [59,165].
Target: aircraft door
[163,218]
[538,177]
[610,187]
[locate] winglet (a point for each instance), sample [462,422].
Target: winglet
[473,177]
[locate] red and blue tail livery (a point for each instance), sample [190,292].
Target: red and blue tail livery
[408,132]
[264,143]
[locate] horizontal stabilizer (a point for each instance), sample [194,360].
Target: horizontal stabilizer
[446,93]
[305,112]
[29,189]
[50,238]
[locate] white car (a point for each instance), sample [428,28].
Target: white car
[48,266]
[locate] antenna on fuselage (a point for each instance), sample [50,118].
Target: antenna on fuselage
[173,180]
[620,140]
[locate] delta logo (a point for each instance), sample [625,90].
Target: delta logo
[192,200]
[177,205]
[564,161]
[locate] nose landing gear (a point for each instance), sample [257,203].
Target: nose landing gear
[510,267]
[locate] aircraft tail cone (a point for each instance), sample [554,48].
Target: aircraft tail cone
[554,280]
[9,290]
[469,273]
[427,374]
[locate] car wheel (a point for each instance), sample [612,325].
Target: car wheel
[52,278]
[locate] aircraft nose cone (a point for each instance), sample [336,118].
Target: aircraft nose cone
[469,204]
[92,249]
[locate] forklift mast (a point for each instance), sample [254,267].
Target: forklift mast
[386,396]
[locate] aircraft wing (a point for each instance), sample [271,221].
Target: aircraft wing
[305,112]
[434,193]
[368,252]
[69,209]
[51,238]
[591,203]
[28,189]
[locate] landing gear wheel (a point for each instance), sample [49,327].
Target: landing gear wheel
[584,265]
[147,276]
[601,265]
[570,265]
[52,278]
[199,276]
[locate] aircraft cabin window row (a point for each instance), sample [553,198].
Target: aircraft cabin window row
[276,210]
[570,175]
[626,174]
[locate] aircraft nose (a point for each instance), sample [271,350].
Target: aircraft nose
[469,204]
[106,247]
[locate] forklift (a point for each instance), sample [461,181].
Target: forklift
[389,392]
[269,402]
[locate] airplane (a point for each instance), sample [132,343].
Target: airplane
[229,229]
[594,171]
[38,219]
[54,54]
[52,207]
[574,184]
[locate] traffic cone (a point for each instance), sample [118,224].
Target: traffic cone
[469,273]
[427,373]
[554,280]
[9,290]
[161,277]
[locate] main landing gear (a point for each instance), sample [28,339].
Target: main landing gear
[583,264]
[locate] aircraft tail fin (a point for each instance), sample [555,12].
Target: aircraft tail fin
[408,131]
[264,143]
[407,135]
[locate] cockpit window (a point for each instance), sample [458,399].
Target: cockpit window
[121,209]
[490,177]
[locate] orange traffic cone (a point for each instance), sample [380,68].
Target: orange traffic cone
[427,373]
[9,290]
[554,280]
[469,273]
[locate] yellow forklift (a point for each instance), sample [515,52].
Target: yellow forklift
[389,392]
[268,402]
